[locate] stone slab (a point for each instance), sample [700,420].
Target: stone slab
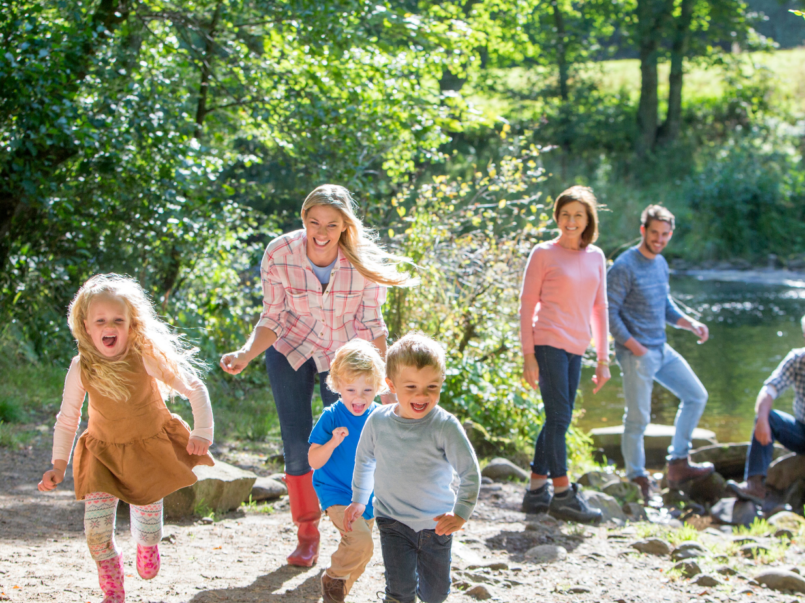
[656,439]
[221,488]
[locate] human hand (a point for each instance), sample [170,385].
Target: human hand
[234,362]
[763,431]
[351,513]
[601,376]
[197,445]
[447,523]
[339,433]
[700,330]
[51,479]
[531,371]
[635,347]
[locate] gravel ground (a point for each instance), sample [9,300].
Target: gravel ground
[241,557]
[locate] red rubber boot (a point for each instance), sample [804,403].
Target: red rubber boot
[306,513]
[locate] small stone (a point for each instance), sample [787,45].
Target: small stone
[479,592]
[706,580]
[577,590]
[169,538]
[688,550]
[744,540]
[500,469]
[795,570]
[597,480]
[734,512]
[653,546]
[546,553]
[625,491]
[784,533]
[610,509]
[688,568]
[751,551]
[487,480]
[207,521]
[726,570]
[786,519]
[493,565]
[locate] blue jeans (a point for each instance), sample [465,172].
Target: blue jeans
[665,366]
[786,430]
[293,396]
[559,375]
[417,563]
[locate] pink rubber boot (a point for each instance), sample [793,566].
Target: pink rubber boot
[147,561]
[110,577]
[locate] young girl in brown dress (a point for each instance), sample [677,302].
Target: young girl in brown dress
[134,449]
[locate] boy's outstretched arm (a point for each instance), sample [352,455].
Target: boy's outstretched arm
[319,454]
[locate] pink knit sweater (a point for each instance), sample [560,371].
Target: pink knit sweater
[564,294]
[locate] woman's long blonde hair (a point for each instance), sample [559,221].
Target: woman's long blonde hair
[148,335]
[358,243]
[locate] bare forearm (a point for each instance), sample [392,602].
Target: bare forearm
[318,455]
[380,344]
[259,341]
[763,404]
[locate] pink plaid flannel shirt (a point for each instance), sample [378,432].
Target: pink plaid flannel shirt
[309,323]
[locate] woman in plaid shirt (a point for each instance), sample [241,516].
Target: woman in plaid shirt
[323,286]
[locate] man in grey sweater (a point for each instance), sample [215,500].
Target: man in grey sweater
[407,453]
[639,307]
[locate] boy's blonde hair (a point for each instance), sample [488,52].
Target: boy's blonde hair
[148,334]
[417,350]
[355,359]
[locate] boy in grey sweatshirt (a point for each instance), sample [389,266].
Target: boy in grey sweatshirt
[407,454]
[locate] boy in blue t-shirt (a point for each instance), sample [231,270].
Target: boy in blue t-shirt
[356,373]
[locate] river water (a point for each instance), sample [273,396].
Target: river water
[752,328]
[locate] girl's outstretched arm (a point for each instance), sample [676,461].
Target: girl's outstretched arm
[194,390]
[66,427]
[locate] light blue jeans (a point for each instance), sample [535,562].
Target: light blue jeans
[668,368]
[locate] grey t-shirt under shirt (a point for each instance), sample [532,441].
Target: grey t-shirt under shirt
[410,462]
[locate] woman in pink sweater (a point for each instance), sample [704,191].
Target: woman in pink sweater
[563,300]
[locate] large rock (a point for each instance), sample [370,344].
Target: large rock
[707,490]
[501,469]
[785,471]
[546,553]
[266,488]
[598,480]
[610,509]
[656,440]
[787,520]
[734,512]
[729,459]
[220,488]
[653,546]
[778,579]
[624,491]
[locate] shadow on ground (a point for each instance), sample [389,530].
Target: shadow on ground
[288,584]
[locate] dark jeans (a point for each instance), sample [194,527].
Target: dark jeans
[417,563]
[293,396]
[559,375]
[786,430]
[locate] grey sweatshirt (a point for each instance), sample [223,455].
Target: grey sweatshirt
[640,299]
[409,463]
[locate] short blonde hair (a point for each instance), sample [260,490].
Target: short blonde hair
[357,358]
[417,350]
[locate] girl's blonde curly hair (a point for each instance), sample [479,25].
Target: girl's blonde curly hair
[356,358]
[148,335]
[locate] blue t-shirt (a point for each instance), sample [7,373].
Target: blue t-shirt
[333,481]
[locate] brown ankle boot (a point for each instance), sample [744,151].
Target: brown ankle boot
[752,489]
[682,472]
[645,483]
[333,590]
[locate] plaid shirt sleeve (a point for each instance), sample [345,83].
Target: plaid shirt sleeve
[785,374]
[273,296]
[369,324]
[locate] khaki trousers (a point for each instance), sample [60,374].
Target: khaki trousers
[355,549]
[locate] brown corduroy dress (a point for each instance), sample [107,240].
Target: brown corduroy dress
[135,449]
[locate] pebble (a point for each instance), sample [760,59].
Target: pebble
[479,592]
[577,590]
[706,580]
[688,568]
[652,546]
[500,469]
[546,553]
[688,550]
[753,550]
[784,533]
[207,521]
[778,579]
[726,570]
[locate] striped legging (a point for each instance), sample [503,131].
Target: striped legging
[100,510]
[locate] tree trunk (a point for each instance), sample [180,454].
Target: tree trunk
[206,71]
[673,121]
[651,16]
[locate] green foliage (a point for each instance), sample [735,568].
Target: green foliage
[10,411]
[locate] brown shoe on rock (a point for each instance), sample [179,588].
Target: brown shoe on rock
[682,471]
[646,485]
[753,489]
[333,590]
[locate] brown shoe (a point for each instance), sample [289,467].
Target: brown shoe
[645,483]
[333,590]
[752,489]
[682,471]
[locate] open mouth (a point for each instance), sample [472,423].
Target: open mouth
[358,408]
[109,341]
[319,243]
[419,407]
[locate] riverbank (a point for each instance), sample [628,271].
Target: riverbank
[240,557]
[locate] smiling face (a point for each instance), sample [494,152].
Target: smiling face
[323,226]
[108,325]
[572,220]
[417,390]
[357,393]
[655,237]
